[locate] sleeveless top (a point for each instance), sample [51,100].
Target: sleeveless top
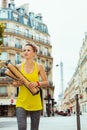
[26,99]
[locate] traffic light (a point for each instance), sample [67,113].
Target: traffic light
[49,97]
[1,33]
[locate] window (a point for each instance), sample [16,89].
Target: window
[45,51]
[17,59]
[41,38]
[44,28]
[45,40]
[36,24]
[5,41]
[11,57]
[12,6]
[38,60]
[46,63]
[15,16]
[27,32]
[37,37]
[25,21]
[21,10]
[17,29]
[40,50]
[3,56]
[3,14]
[17,44]
[3,90]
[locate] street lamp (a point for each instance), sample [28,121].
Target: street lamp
[50,100]
[78,111]
[48,97]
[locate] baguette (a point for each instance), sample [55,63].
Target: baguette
[15,73]
[10,74]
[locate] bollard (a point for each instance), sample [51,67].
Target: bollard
[77,112]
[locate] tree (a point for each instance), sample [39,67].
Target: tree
[1,33]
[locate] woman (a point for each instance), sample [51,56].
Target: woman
[27,103]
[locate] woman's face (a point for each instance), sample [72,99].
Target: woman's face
[28,52]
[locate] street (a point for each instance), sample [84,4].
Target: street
[47,123]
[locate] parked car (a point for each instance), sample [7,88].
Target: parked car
[62,113]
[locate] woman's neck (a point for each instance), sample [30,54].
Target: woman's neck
[29,66]
[29,62]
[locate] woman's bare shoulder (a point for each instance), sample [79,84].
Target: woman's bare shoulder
[40,66]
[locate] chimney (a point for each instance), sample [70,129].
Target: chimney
[4,3]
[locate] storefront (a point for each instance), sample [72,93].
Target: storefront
[7,107]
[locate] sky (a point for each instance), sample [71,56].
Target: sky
[67,24]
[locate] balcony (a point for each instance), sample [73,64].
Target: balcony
[18,46]
[5,80]
[24,35]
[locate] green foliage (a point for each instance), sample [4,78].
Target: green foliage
[1,33]
[1,42]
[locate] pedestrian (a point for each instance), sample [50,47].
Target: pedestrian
[27,103]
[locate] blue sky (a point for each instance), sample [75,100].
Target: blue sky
[67,24]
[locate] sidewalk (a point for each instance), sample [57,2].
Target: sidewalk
[47,123]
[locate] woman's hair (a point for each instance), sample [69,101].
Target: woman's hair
[34,47]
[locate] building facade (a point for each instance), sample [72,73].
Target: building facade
[22,27]
[78,84]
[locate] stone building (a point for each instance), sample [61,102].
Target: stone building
[78,84]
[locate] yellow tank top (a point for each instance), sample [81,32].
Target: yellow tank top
[26,99]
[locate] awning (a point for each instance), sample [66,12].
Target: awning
[7,101]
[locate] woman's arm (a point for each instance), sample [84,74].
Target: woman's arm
[42,73]
[18,82]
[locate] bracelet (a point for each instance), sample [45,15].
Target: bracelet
[38,84]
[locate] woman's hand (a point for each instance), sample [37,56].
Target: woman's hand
[33,86]
[18,82]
